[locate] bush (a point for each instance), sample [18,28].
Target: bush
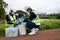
[2,29]
[2,13]
[50,24]
[50,16]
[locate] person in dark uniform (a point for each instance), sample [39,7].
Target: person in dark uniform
[11,19]
[31,25]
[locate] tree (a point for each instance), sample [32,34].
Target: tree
[2,10]
[58,16]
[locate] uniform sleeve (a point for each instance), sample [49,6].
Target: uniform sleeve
[17,16]
[32,16]
[8,20]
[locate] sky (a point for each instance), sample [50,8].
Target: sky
[45,6]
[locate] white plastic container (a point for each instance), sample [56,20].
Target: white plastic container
[11,32]
[22,29]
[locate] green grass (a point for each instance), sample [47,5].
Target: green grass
[2,29]
[50,24]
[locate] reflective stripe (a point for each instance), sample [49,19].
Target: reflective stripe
[36,20]
[13,19]
[9,25]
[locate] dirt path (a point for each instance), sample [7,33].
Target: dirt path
[53,34]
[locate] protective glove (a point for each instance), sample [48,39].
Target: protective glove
[20,19]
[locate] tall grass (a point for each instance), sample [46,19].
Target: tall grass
[50,24]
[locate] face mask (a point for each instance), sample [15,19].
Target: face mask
[12,12]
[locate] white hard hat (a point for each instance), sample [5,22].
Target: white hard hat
[26,7]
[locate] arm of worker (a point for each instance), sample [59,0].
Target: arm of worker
[32,16]
[8,20]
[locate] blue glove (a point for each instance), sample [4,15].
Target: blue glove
[21,19]
[16,23]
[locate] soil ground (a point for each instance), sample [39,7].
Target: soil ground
[52,34]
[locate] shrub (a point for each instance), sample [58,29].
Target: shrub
[2,29]
[50,24]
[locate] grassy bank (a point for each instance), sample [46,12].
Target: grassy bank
[50,24]
[2,29]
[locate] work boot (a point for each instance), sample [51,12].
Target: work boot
[36,29]
[33,31]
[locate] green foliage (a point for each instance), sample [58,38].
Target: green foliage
[2,10]
[2,29]
[51,16]
[58,16]
[50,24]
[43,17]
[3,4]
[2,13]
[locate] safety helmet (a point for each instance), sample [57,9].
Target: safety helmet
[27,8]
